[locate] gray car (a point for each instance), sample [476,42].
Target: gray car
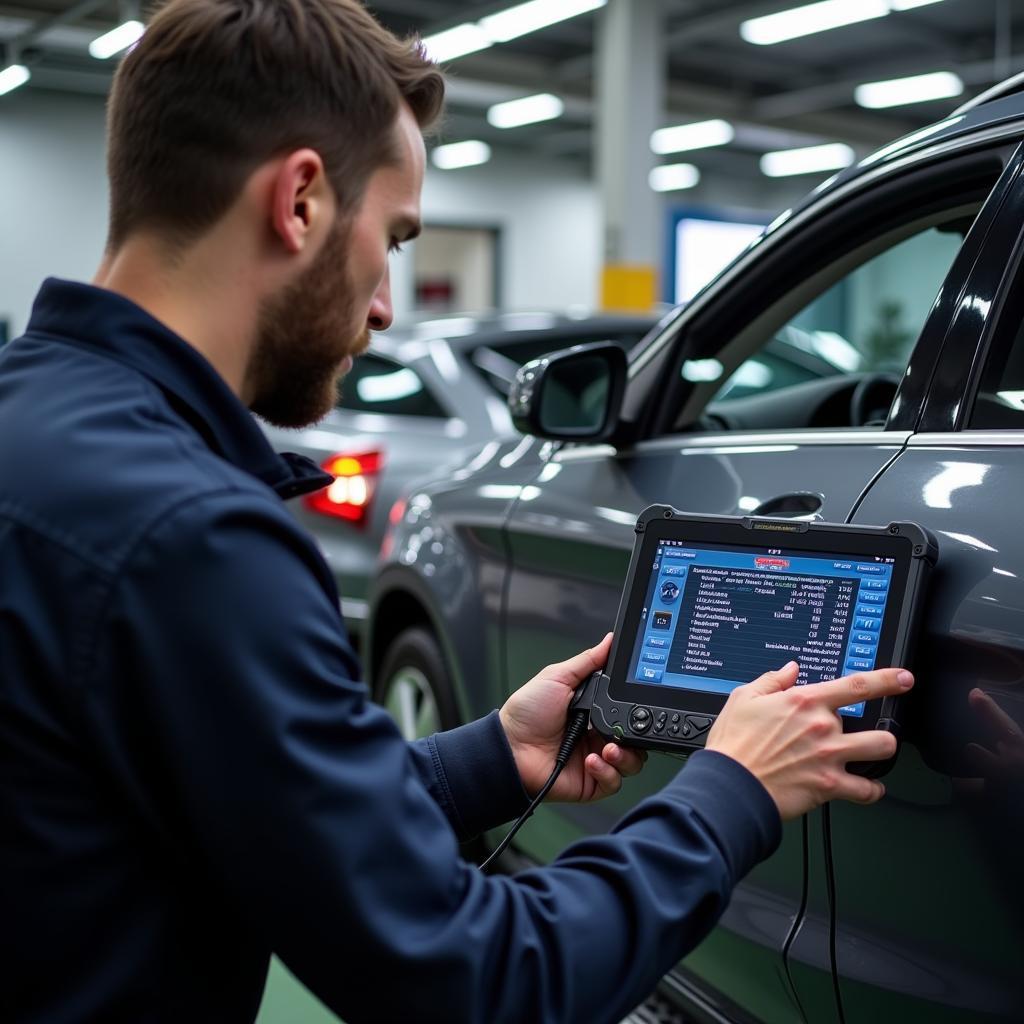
[912,910]
[417,401]
[423,397]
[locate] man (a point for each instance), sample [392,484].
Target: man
[191,776]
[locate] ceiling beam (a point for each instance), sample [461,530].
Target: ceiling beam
[830,95]
[67,17]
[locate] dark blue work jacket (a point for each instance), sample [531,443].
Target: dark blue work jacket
[192,777]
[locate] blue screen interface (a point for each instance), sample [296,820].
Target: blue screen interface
[716,617]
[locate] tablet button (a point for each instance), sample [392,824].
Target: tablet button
[698,722]
[675,718]
[674,729]
[640,719]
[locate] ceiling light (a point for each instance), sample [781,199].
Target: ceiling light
[811,18]
[537,14]
[461,154]
[699,135]
[906,5]
[808,160]
[916,89]
[528,110]
[12,76]
[456,42]
[116,40]
[674,177]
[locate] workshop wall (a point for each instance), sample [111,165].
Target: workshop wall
[53,194]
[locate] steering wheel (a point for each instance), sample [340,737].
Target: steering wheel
[872,398]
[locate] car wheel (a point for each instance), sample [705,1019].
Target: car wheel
[415,686]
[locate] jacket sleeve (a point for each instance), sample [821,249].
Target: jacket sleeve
[220,656]
[471,773]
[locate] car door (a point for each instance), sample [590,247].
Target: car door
[789,451]
[929,894]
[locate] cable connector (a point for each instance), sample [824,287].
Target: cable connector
[579,719]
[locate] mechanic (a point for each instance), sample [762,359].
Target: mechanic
[191,775]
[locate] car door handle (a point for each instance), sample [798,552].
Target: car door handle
[797,505]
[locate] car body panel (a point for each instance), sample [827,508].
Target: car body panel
[930,896]
[567,565]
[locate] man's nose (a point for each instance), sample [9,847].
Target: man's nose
[381,314]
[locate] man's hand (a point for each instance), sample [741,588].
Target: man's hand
[791,738]
[534,719]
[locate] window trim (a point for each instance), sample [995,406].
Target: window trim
[645,403]
[967,343]
[858,225]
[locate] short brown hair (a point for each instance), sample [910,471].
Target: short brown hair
[217,87]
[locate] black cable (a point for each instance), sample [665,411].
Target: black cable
[798,921]
[830,881]
[578,721]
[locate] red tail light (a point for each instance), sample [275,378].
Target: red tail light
[355,480]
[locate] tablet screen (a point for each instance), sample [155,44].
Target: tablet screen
[715,617]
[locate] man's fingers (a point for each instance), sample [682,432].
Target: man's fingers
[781,679]
[581,666]
[982,761]
[873,745]
[837,693]
[859,790]
[624,761]
[993,717]
[608,780]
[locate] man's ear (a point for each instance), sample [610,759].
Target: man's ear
[302,200]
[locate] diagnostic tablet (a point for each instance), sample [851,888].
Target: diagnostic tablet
[712,602]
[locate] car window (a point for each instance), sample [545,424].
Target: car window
[380,385]
[866,321]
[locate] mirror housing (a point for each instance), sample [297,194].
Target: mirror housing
[571,395]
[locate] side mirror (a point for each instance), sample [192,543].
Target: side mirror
[571,395]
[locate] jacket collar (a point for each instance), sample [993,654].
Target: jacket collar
[115,327]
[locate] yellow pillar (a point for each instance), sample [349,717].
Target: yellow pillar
[629,288]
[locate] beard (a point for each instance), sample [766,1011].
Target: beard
[303,336]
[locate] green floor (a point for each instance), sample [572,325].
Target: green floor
[287,1002]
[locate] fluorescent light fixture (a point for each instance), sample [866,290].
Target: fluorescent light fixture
[536,14]
[674,177]
[116,40]
[13,76]
[456,42]
[916,89]
[699,135]
[808,160]
[528,110]
[907,5]
[811,18]
[461,154]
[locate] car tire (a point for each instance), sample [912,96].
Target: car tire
[414,685]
